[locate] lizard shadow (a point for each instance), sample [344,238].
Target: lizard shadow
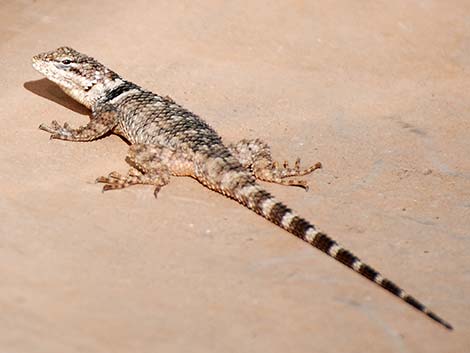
[49,90]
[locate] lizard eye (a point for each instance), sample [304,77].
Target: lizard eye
[66,62]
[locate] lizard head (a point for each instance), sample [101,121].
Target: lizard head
[79,75]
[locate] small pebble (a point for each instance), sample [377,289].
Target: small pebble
[427,171]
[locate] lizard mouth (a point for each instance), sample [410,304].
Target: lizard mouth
[36,64]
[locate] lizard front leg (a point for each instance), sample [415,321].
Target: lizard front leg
[255,155]
[157,177]
[102,121]
[151,165]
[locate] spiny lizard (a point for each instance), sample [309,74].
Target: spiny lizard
[167,139]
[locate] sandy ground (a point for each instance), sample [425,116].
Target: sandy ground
[376,90]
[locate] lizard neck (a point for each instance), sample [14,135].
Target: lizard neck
[89,97]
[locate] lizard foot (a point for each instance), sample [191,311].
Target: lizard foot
[286,172]
[255,155]
[115,180]
[56,130]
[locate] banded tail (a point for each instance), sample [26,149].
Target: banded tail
[262,202]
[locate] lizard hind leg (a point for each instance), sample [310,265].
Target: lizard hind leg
[255,155]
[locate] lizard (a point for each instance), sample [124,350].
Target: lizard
[168,140]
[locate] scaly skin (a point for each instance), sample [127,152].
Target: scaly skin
[166,139]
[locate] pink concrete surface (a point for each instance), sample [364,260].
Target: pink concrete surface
[378,91]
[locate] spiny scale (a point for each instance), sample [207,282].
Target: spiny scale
[166,139]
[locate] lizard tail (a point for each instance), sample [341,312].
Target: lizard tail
[262,202]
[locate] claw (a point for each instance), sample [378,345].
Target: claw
[113,186]
[297,164]
[115,175]
[106,187]
[156,191]
[101,179]
[301,183]
[46,128]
